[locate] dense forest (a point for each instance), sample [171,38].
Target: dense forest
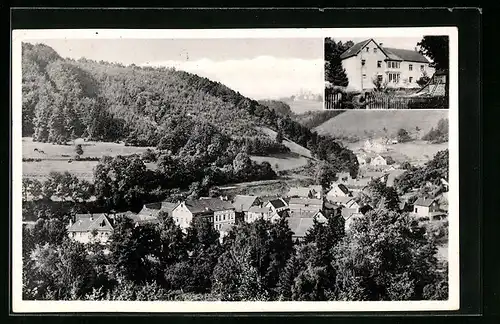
[65,99]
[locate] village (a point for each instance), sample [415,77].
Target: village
[301,205]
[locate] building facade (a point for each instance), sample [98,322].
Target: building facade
[369,61]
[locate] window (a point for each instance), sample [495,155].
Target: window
[380,78]
[416,210]
[379,64]
[364,76]
[363,62]
[410,67]
[394,77]
[375,50]
[410,79]
[421,67]
[367,49]
[224,217]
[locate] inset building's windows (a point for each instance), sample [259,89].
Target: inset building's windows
[410,67]
[363,62]
[364,76]
[379,64]
[367,49]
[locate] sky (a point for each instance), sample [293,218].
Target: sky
[258,68]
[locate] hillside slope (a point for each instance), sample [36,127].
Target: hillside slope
[144,106]
[363,124]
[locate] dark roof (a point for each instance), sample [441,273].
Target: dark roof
[405,55]
[168,206]
[242,203]
[395,54]
[277,203]
[143,219]
[354,49]
[208,205]
[426,202]
[343,188]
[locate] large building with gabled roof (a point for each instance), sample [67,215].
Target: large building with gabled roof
[368,60]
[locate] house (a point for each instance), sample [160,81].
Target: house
[152,209]
[301,225]
[89,227]
[168,207]
[339,200]
[216,210]
[379,160]
[425,207]
[242,203]
[276,205]
[256,212]
[363,159]
[140,219]
[302,192]
[338,190]
[300,205]
[369,61]
[317,190]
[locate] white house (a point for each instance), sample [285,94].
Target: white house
[217,211]
[256,212]
[425,207]
[368,60]
[379,160]
[90,227]
[338,190]
[277,205]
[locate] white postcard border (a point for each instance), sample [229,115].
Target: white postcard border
[23,306]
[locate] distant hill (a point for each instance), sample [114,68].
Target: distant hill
[174,110]
[363,124]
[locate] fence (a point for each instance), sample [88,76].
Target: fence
[333,100]
[388,102]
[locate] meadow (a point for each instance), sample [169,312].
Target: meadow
[57,157]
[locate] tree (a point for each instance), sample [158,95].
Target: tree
[135,251]
[78,150]
[437,49]
[325,175]
[403,136]
[279,137]
[60,272]
[334,72]
[385,256]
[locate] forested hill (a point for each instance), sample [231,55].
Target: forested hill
[65,99]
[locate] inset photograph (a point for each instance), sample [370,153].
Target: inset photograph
[387,72]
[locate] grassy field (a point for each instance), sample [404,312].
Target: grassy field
[56,157]
[65,152]
[363,124]
[416,152]
[282,162]
[302,106]
[294,147]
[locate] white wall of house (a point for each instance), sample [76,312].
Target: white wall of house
[361,75]
[336,192]
[424,211]
[87,237]
[352,68]
[224,217]
[182,216]
[378,160]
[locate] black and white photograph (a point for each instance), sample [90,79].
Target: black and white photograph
[387,72]
[241,171]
